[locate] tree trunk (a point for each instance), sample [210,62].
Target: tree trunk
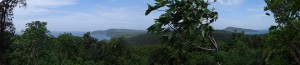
[3,43]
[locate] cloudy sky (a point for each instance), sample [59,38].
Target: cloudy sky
[90,15]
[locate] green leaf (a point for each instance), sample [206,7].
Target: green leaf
[268,14]
[273,27]
[150,8]
[159,1]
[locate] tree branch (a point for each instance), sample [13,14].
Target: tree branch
[213,42]
[205,48]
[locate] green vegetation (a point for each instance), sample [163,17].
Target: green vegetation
[284,44]
[7,28]
[37,47]
[186,30]
[182,35]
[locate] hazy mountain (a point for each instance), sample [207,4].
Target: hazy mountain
[234,29]
[137,36]
[119,32]
[246,31]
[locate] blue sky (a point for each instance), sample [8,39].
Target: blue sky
[90,15]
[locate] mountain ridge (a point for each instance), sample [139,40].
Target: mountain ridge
[120,32]
[246,31]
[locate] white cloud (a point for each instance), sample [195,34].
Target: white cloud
[105,17]
[96,17]
[255,21]
[99,18]
[41,7]
[37,9]
[230,2]
[227,5]
[49,3]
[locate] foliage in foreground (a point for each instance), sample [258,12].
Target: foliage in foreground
[280,47]
[41,48]
[284,44]
[187,31]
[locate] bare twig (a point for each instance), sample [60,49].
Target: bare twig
[213,42]
[172,27]
[205,48]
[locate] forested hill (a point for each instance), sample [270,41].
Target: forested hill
[234,29]
[246,31]
[142,35]
[131,33]
[119,32]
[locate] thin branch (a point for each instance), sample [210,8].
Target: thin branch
[213,42]
[205,48]
[63,61]
[268,56]
[295,26]
[172,27]
[161,10]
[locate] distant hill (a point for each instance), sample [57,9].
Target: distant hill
[141,36]
[246,31]
[119,32]
[234,29]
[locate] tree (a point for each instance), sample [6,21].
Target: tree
[116,52]
[186,24]
[36,35]
[284,38]
[6,26]
[70,46]
[90,45]
[88,40]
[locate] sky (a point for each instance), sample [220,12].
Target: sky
[91,15]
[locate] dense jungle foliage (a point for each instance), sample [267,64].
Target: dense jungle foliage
[182,35]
